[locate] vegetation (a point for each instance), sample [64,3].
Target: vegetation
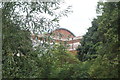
[101,44]
[97,55]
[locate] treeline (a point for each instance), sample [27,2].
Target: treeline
[100,44]
[98,53]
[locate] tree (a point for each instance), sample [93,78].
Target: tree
[101,41]
[20,60]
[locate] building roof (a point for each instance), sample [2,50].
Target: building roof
[65,30]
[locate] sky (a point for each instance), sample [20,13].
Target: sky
[80,19]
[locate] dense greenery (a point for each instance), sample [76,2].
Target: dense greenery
[98,53]
[101,44]
[20,59]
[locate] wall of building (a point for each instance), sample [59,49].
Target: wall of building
[63,36]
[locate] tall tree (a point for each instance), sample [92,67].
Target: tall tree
[20,19]
[101,41]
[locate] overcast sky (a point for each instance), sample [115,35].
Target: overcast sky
[80,20]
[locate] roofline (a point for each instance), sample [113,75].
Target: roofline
[65,29]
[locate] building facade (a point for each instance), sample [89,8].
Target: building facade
[63,36]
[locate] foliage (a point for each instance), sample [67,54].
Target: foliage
[102,67]
[101,44]
[20,60]
[98,53]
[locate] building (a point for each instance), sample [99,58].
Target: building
[64,36]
